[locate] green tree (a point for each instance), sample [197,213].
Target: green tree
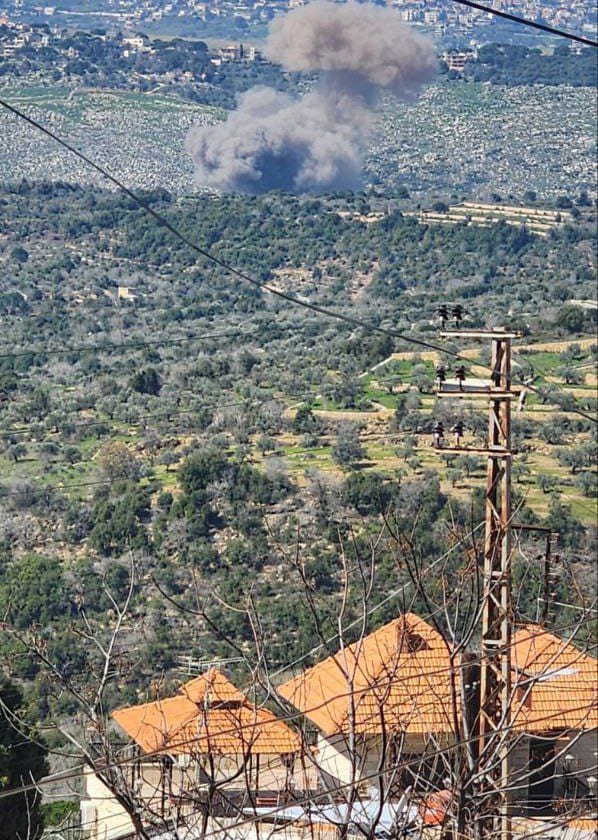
[467,463]
[563,202]
[570,375]
[304,421]
[17,452]
[547,483]
[368,493]
[147,382]
[33,591]
[19,254]
[575,319]
[22,760]
[118,462]
[587,482]
[348,449]
[422,378]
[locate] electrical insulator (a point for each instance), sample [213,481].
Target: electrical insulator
[438,433]
[443,314]
[458,430]
[458,313]
[460,375]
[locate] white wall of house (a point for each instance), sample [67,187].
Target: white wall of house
[333,755]
[101,814]
[155,786]
[333,758]
[584,750]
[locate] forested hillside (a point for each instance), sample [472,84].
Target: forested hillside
[168,427]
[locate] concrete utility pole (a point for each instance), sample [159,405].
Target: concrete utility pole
[497,620]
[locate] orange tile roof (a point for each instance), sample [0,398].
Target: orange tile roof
[396,678]
[396,684]
[154,725]
[557,683]
[210,716]
[236,731]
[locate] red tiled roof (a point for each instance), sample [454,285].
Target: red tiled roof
[557,684]
[236,731]
[210,716]
[155,725]
[398,678]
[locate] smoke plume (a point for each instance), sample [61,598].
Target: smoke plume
[314,143]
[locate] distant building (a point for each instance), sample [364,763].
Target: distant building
[253,54]
[232,52]
[238,52]
[456,61]
[137,43]
[125,293]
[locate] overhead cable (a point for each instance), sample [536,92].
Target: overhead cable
[543,27]
[231,269]
[107,346]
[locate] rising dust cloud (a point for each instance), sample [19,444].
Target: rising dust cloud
[314,143]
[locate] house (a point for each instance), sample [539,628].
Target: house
[400,695]
[205,750]
[125,293]
[386,712]
[556,711]
[393,691]
[456,61]
[232,52]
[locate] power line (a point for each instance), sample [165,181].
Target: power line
[294,716]
[162,220]
[525,360]
[393,594]
[543,27]
[116,346]
[73,773]
[138,421]
[286,296]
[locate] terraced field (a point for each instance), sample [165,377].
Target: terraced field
[406,453]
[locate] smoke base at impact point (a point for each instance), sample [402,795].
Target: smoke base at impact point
[314,143]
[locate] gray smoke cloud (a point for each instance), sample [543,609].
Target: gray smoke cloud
[314,143]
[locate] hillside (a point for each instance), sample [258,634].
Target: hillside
[159,419]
